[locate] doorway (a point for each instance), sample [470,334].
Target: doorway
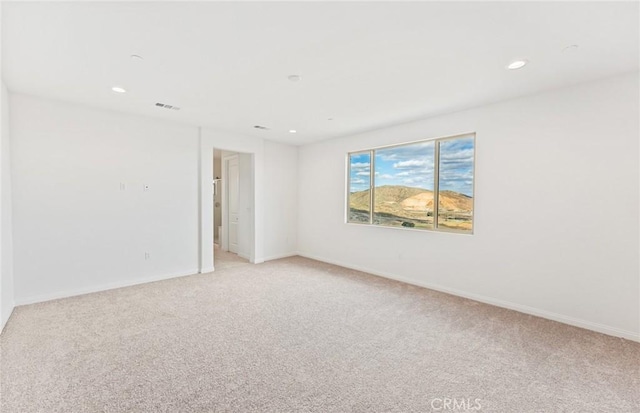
[232,193]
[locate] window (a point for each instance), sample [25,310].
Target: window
[360,187]
[421,185]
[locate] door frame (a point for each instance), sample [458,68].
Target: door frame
[209,140]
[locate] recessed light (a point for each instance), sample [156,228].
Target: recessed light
[329,118]
[292,131]
[136,57]
[294,78]
[517,64]
[261,127]
[118,89]
[570,49]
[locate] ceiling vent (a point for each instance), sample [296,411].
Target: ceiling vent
[261,127]
[163,105]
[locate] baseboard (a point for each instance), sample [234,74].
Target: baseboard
[6,318]
[280,256]
[600,328]
[104,287]
[207,270]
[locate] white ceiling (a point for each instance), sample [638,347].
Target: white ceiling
[366,65]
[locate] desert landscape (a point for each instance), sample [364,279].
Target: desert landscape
[404,206]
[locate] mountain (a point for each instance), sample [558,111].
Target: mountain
[415,204]
[395,198]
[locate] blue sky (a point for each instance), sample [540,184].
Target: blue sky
[412,165]
[456,165]
[360,172]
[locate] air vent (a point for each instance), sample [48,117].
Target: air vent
[261,127]
[164,105]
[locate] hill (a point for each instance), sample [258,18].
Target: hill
[402,203]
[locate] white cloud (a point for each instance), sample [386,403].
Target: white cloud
[422,181]
[360,165]
[410,163]
[462,155]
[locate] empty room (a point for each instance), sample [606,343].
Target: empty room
[323,207]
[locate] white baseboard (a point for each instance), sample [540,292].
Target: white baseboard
[6,318]
[207,270]
[104,287]
[600,328]
[279,256]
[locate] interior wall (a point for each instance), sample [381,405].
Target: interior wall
[6,238]
[80,206]
[83,220]
[556,208]
[281,204]
[245,201]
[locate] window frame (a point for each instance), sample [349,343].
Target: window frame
[436,184]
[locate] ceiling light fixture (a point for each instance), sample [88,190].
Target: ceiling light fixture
[292,131]
[136,57]
[517,64]
[294,78]
[118,89]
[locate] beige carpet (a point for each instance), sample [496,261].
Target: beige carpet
[224,259]
[296,335]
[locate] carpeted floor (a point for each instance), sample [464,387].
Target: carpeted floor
[226,259]
[296,335]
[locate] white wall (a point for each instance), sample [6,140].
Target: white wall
[75,229]
[556,208]
[245,204]
[6,239]
[6,243]
[281,203]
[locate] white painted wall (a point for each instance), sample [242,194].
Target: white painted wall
[281,200]
[75,230]
[6,238]
[245,204]
[6,242]
[556,209]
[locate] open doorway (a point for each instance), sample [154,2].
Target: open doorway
[232,193]
[250,156]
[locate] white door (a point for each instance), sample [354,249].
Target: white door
[233,191]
